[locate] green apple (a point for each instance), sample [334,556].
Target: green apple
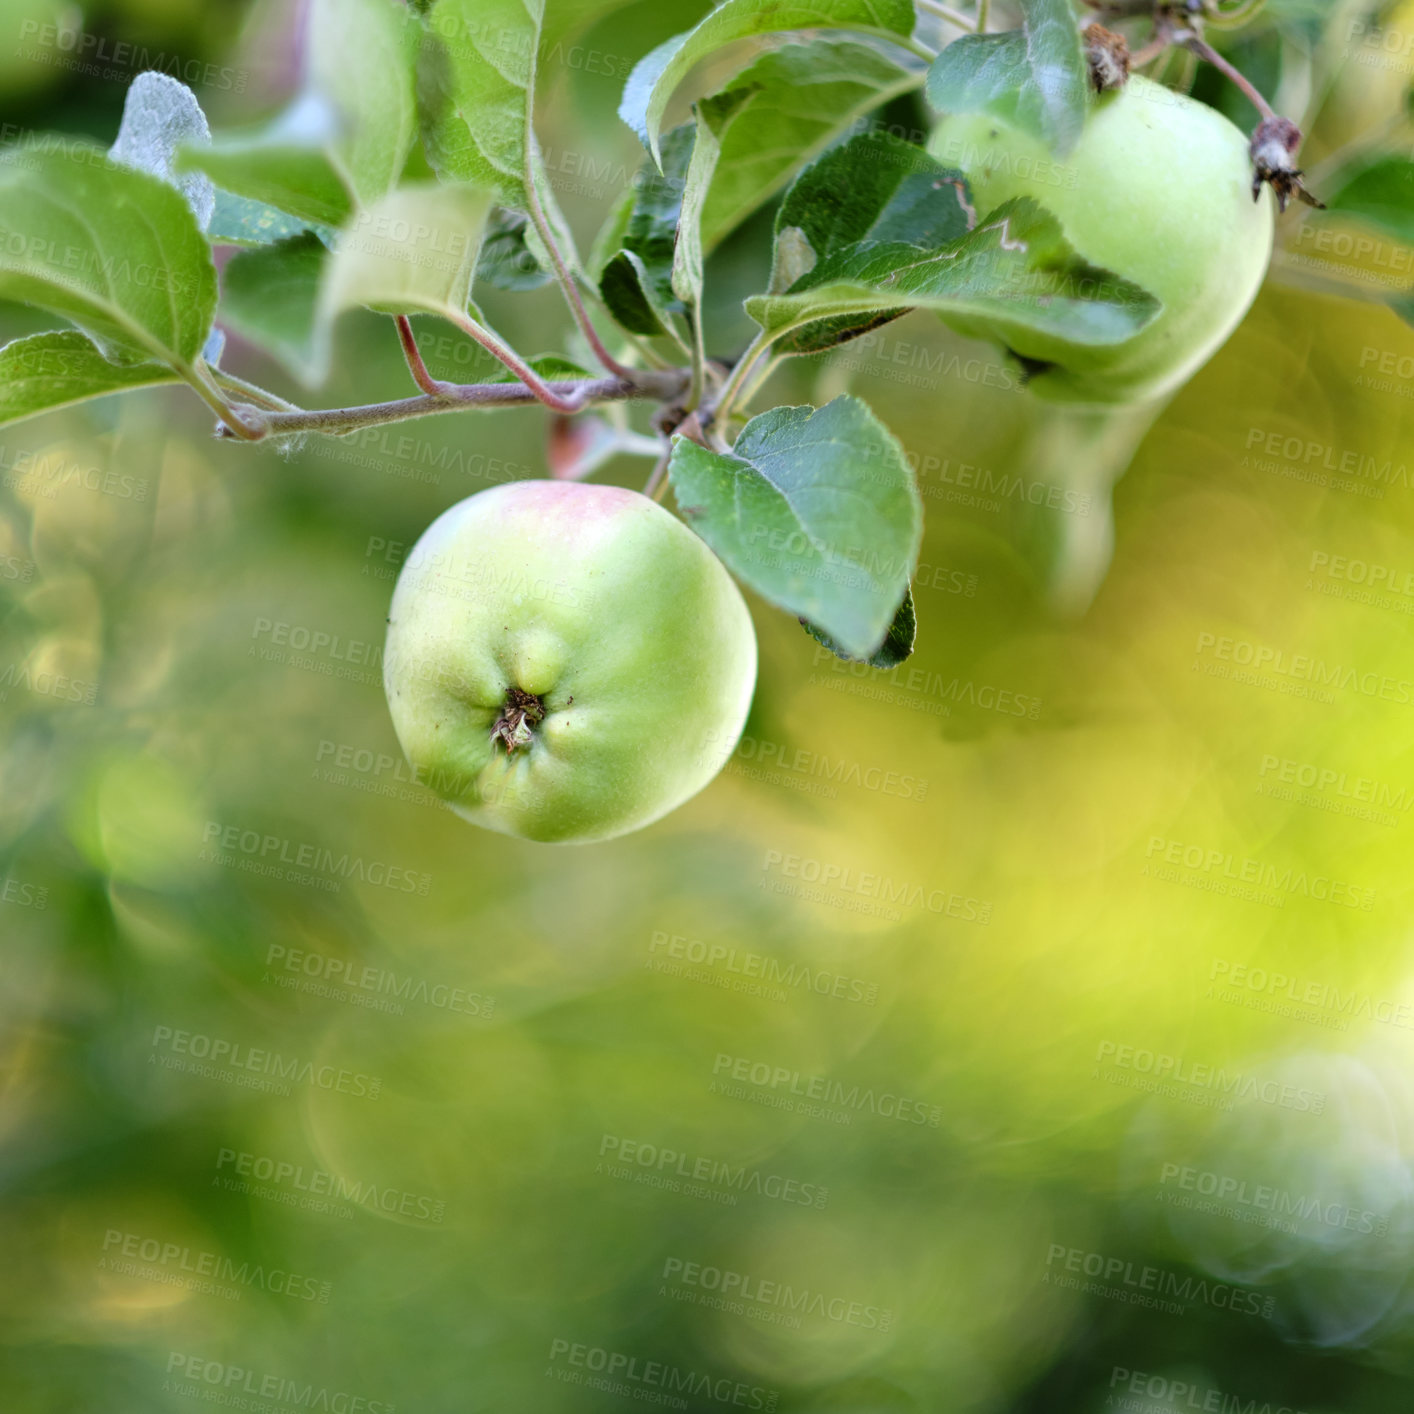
[566,662]
[1158,189]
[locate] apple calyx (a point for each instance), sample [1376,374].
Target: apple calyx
[1274,147]
[1107,54]
[523,712]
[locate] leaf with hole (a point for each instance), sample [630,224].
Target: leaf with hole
[1016,268]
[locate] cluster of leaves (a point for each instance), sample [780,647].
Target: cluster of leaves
[406,171]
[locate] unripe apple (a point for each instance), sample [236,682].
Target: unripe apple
[1158,189]
[566,662]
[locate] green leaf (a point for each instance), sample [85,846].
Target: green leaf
[1017,269]
[656,77]
[476,87]
[159,115]
[800,99]
[1034,78]
[870,191]
[345,139]
[507,262]
[632,295]
[565,17]
[270,297]
[814,509]
[476,93]
[876,188]
[1380,193]
[896,648]
[263,168]
[239,221]
[414,252]
[712,120]
[46,371]
[637,283]
[361,58]
[115,250]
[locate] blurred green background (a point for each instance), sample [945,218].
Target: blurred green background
[1024,1030]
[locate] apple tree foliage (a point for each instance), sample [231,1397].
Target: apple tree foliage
[406,173]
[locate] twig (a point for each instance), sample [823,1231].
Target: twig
[247,424]
[334,421]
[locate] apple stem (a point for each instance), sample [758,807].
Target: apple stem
[656,480]
[1196,44]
